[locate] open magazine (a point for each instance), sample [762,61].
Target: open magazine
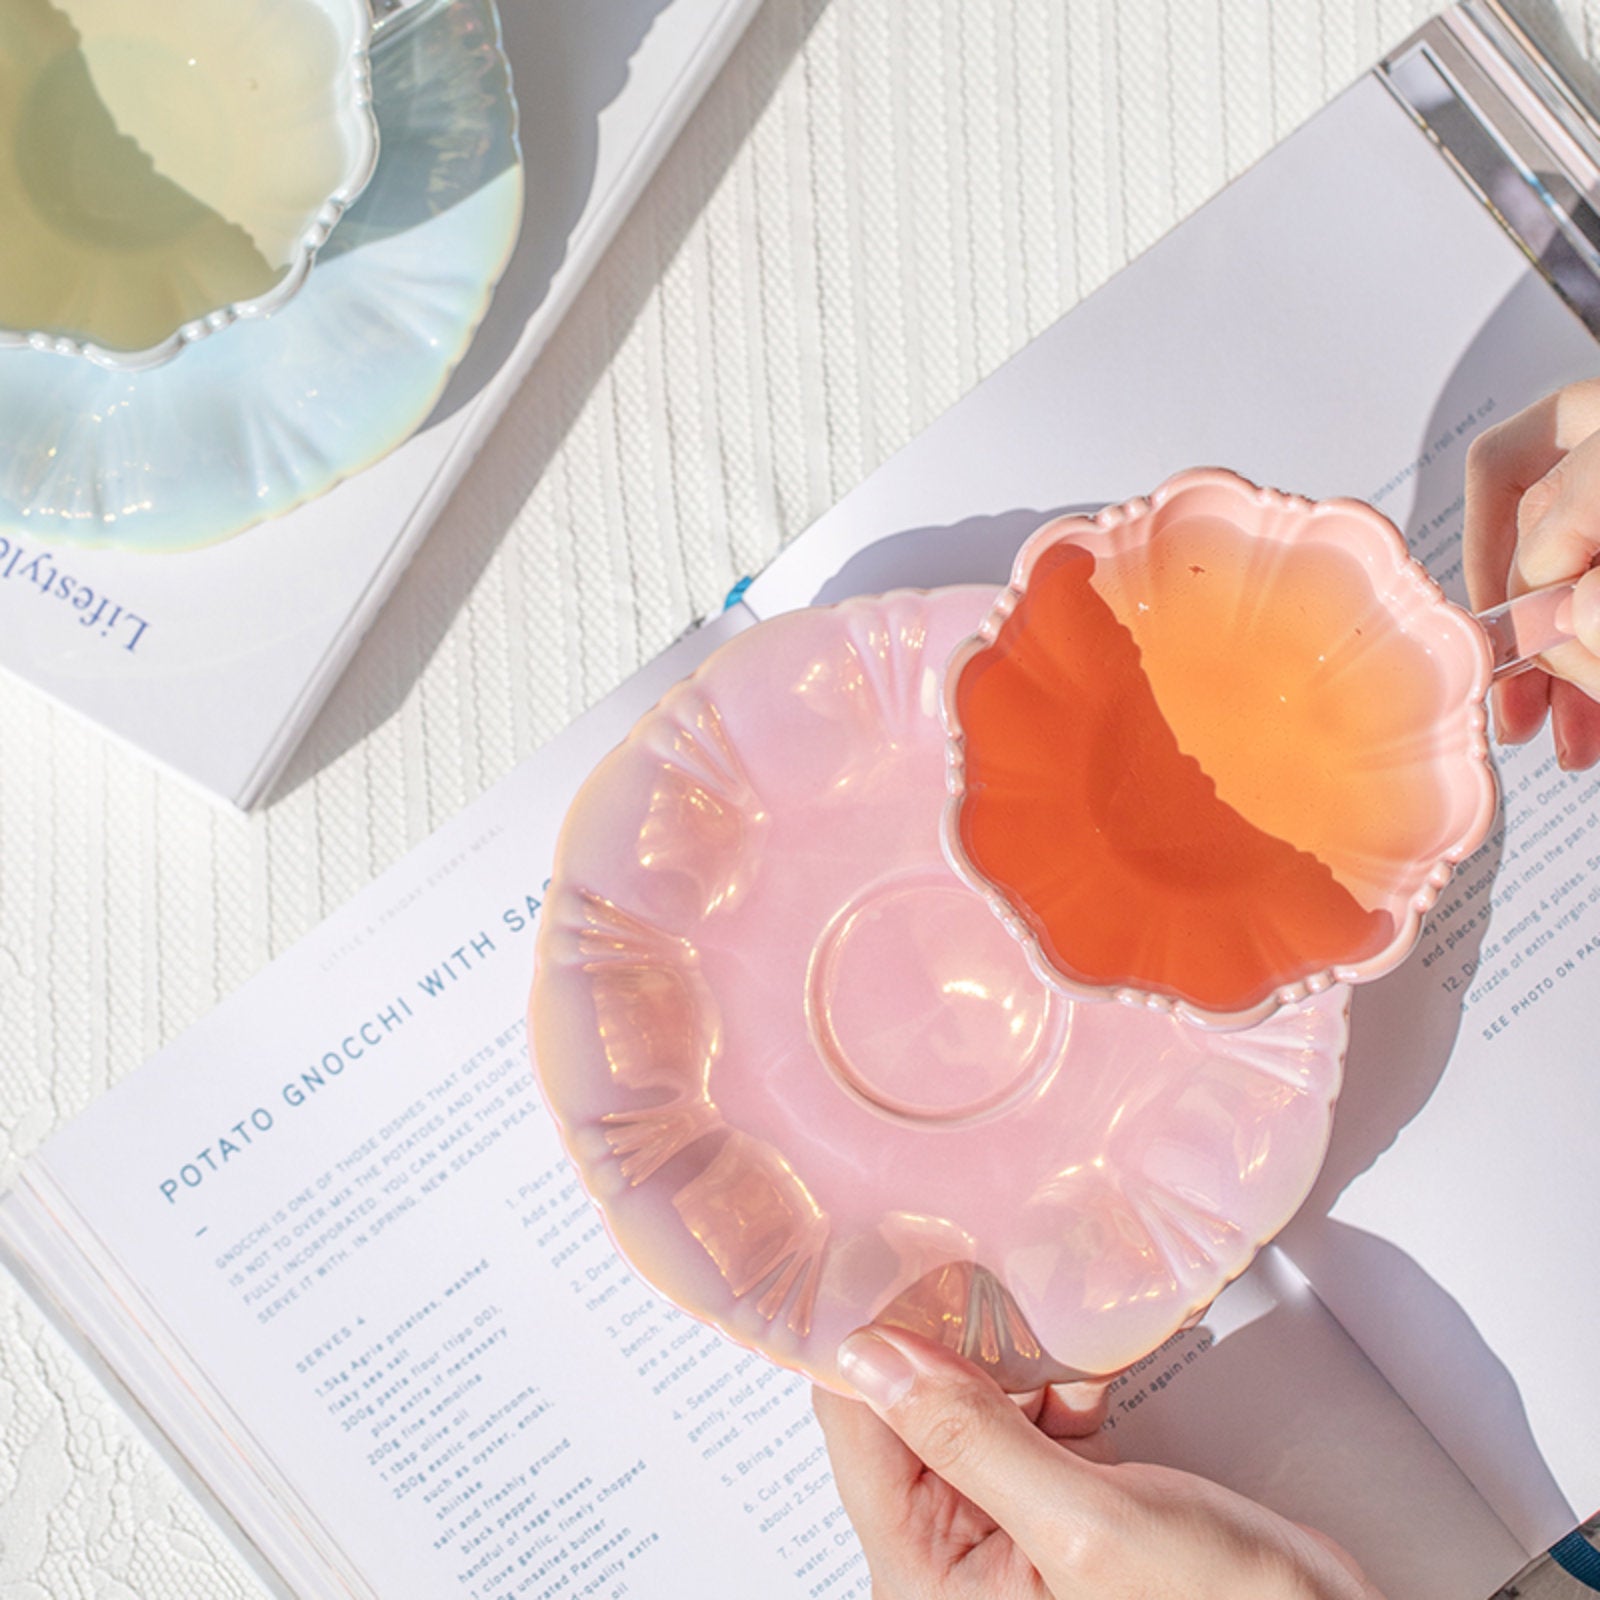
[329,1247]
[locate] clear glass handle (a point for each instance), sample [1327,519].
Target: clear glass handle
[1523,629]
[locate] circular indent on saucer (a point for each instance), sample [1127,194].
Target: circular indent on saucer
[921,1005]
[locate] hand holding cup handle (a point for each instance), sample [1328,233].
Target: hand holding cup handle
[1532,539]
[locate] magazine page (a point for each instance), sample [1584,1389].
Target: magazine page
[1443,1230]
[330,1241]
[1270,1395]
[1447,1231]
[1343,320]
[1344,315]
[340,1197]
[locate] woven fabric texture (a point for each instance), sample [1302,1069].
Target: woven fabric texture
[877,202]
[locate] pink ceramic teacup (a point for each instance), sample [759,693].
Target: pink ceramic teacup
[1215,750]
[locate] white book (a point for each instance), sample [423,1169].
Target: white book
[214,661]
[329,1246]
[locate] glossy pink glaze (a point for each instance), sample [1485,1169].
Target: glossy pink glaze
[812,1082]
[1423,711]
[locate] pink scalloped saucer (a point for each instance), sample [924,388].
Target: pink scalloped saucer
[1214,750]
[812,1082]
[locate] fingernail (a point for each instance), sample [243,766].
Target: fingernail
[875,1370]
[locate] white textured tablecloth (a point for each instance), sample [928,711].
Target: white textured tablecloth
[878,201]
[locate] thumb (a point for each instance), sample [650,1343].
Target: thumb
[1558,520]
[1586,612]
[1578,661]
[962,1426]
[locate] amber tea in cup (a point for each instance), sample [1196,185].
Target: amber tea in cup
[1217,749]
